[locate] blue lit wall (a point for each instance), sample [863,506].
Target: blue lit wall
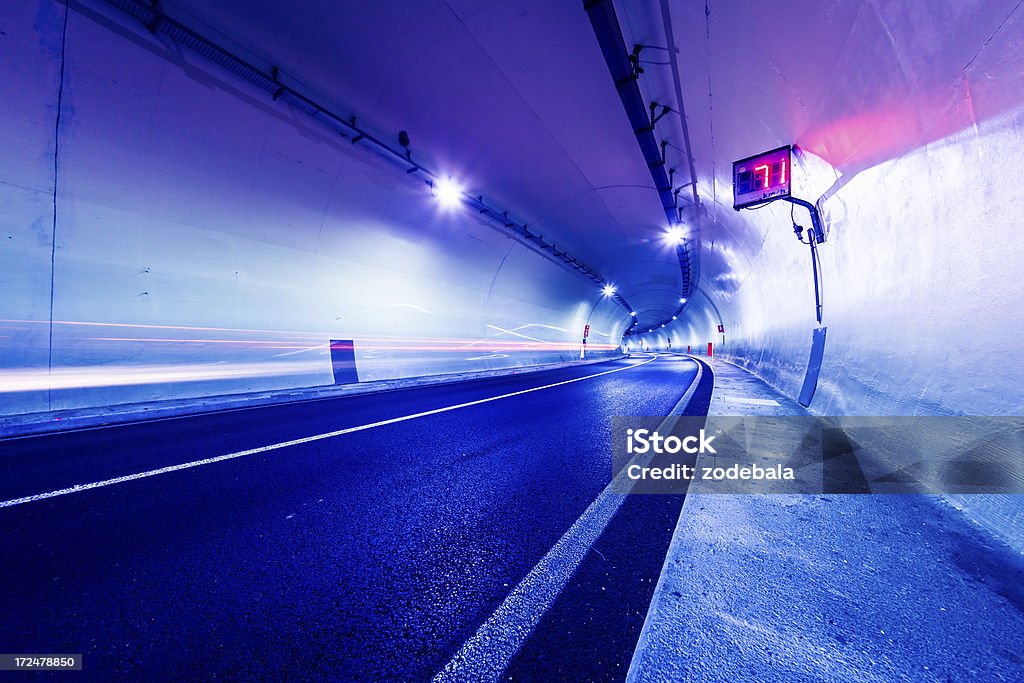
[912,125]
[209,241]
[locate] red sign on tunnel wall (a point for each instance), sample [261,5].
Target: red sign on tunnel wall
[762,177]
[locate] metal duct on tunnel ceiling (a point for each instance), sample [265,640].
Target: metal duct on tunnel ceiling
[625,71]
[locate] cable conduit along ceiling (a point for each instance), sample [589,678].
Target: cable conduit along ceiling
[269,80]
[609,36]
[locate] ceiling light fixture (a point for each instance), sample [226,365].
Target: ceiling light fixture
[675,235]
[448,192]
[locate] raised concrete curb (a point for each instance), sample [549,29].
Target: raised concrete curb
[81,418]
[874,588]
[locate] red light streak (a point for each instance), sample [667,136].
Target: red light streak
[310,341]
[374,344]
[309,336]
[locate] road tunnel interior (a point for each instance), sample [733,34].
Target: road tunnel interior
[209,199]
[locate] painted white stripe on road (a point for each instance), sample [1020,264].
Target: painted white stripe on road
[751,401]
[78,488]
[488,652]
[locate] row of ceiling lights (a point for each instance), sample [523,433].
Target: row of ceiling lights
[450,194]
[674,236]
[625,70]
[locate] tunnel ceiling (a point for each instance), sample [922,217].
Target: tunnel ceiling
[514,98]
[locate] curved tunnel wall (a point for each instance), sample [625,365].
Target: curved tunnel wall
[909,129]
[921,277]
[209,241]
[911,126]
[921,293]
[909,120]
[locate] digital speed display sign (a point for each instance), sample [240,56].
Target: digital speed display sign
[760,178]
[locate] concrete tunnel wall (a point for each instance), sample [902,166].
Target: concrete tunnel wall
[210,241]
[921,294]
[921,297]
[910,129]
[916,147]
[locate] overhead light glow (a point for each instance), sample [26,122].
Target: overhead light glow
[448,192]
[633,313]
[674,235]
[682,300]
[608,290]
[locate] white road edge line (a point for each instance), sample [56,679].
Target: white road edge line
[633,673]
[78,488]
[753,401]
[487,653]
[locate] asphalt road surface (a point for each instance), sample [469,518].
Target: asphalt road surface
[359,538]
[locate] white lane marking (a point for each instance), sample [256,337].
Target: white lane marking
[752,401]
[78,488]
[632,673]
[488,652]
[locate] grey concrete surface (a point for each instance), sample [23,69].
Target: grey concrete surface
[829,587]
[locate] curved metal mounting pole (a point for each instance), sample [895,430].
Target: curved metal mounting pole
[816,237]
[819,234]
[817,277]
